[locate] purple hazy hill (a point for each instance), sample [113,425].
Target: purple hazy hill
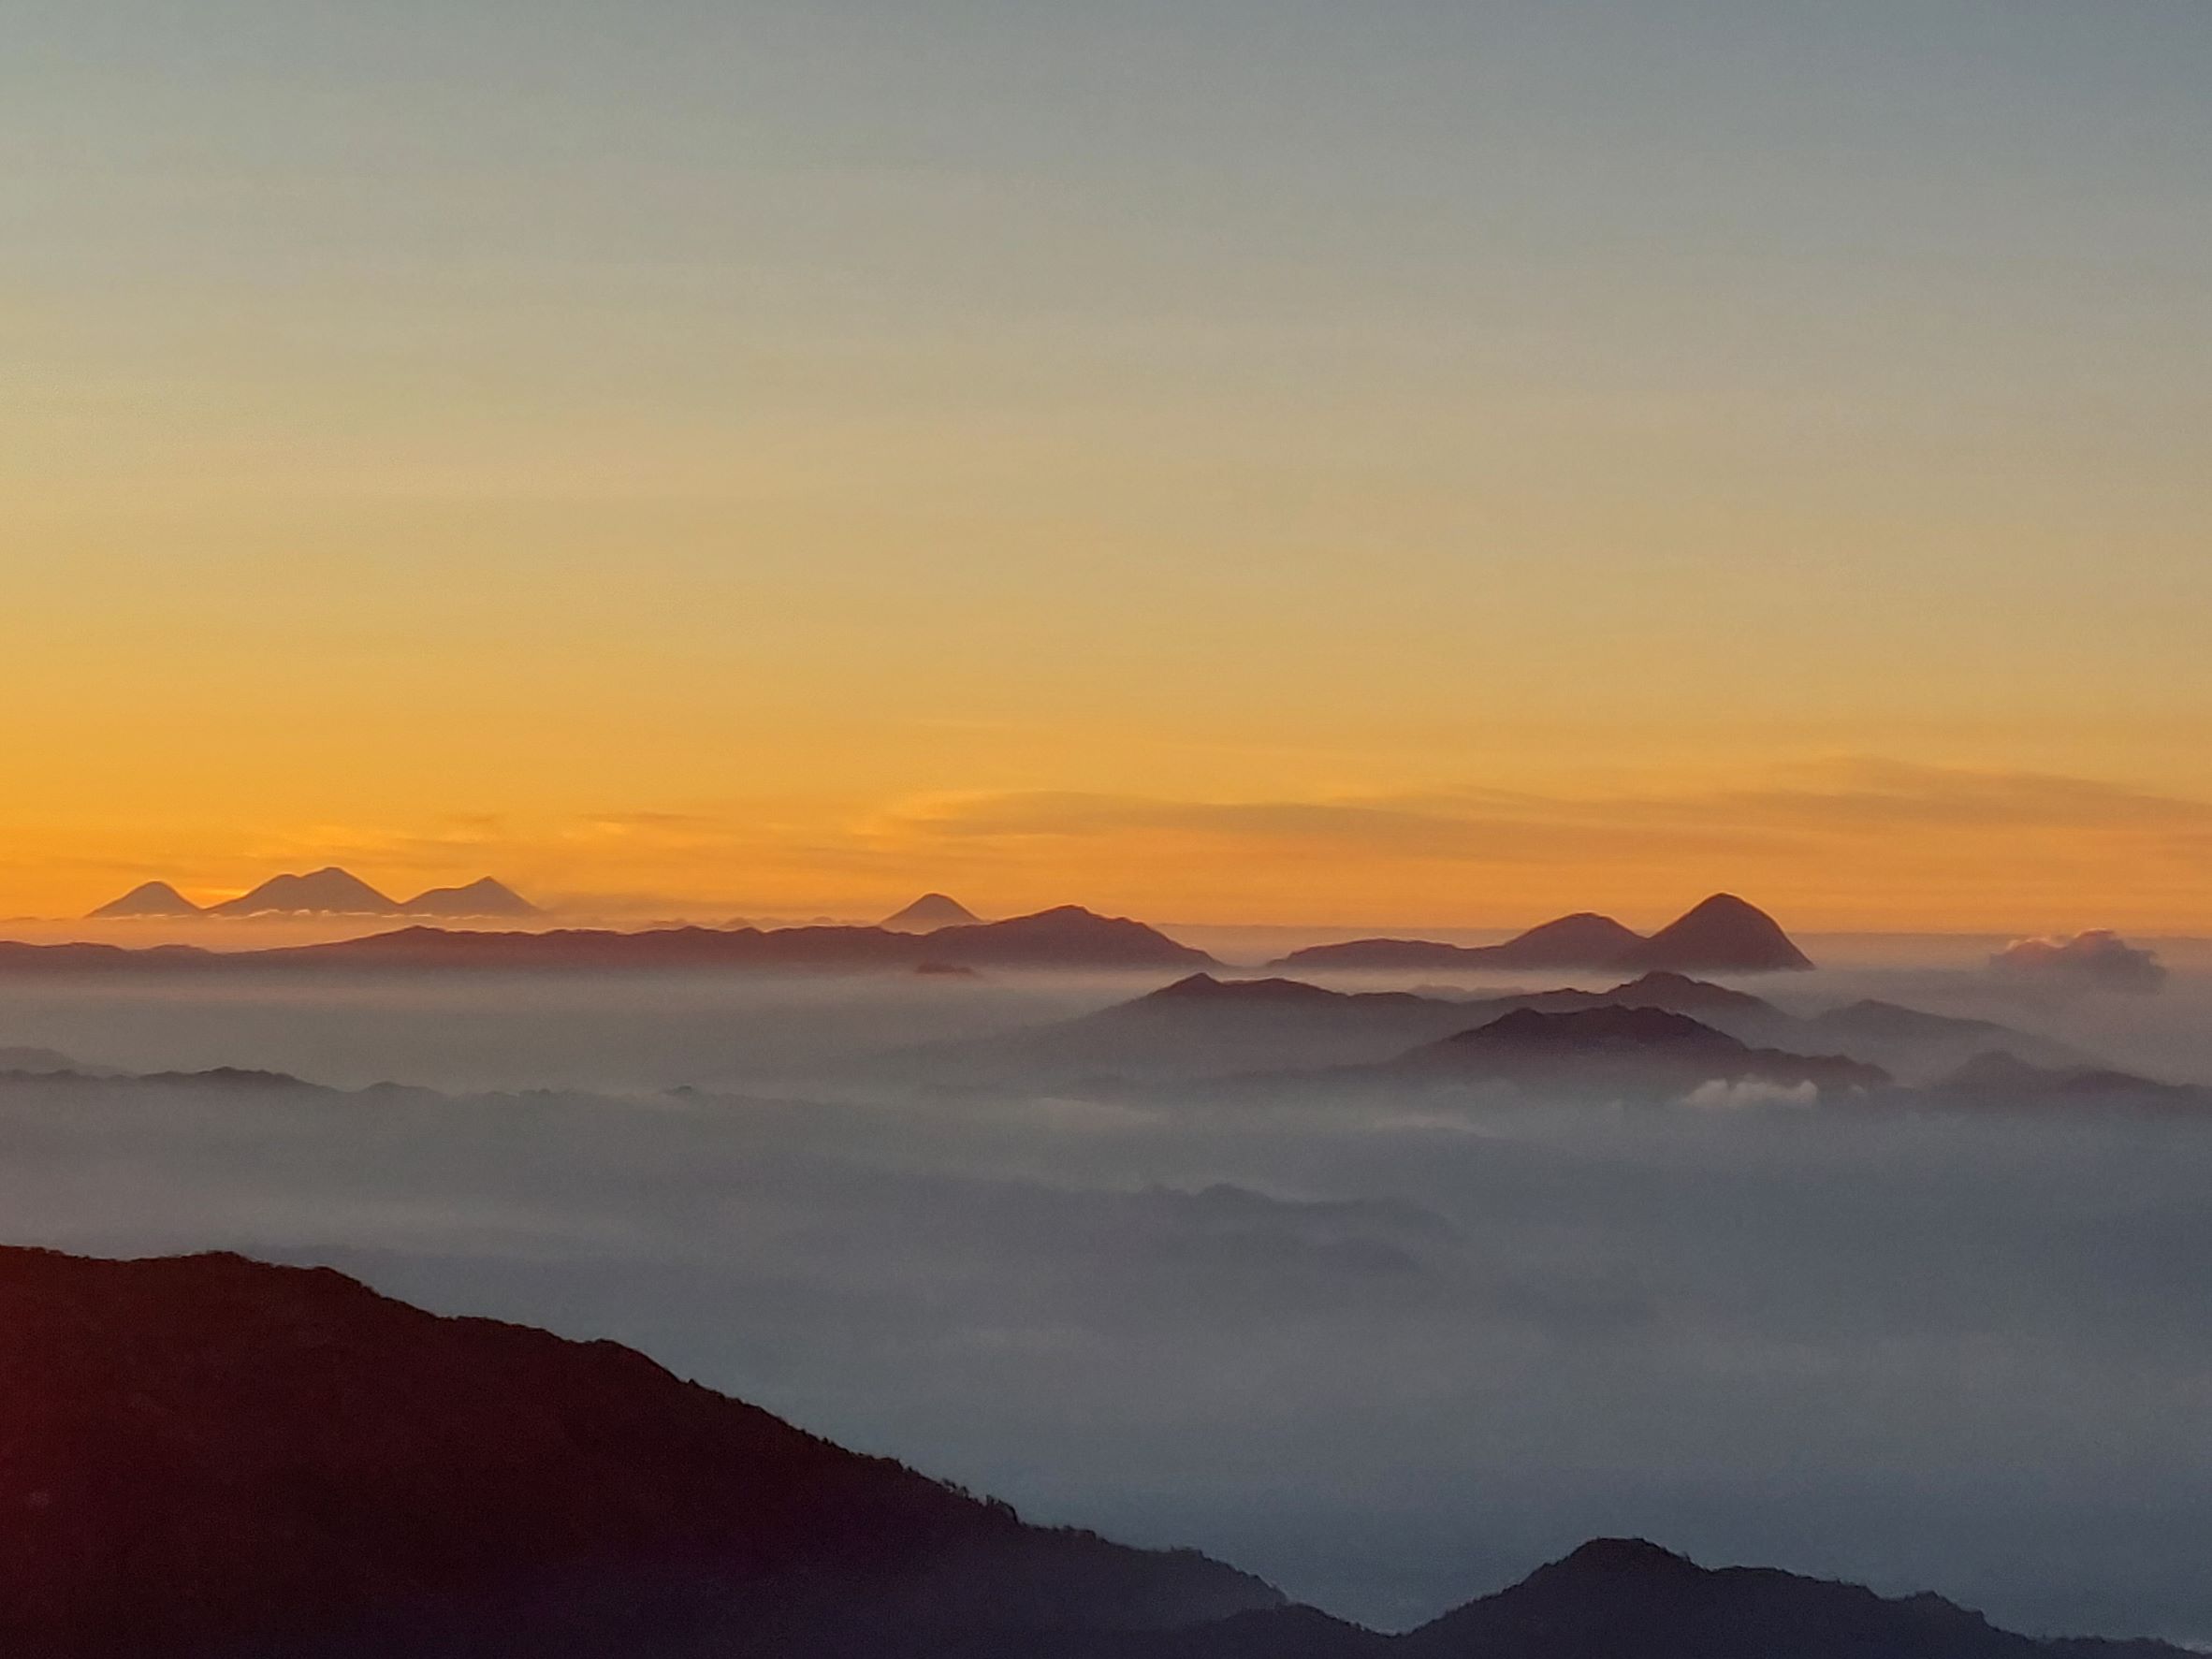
[1584,939]
[1200,1026]
[2001,1081]
[1678,993]
[1724,935]
[1641,1050]
[1067,937]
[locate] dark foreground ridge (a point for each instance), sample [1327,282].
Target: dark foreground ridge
[209,1455]
[209,1458]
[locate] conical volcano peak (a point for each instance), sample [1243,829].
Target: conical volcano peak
[483,896]
[149,898]
[327,891]
[929,913]
[1724,934]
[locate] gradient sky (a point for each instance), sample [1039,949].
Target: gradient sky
[1224,459]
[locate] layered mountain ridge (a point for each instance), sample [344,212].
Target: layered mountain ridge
[1068,935]
[1208,1026]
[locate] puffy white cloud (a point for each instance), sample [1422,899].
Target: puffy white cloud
[2099,958]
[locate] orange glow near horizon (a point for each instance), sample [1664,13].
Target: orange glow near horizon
[1435,475]
[1839,845]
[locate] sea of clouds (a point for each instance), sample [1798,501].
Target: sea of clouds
[1392,1355]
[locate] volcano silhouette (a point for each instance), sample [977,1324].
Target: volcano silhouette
[928,913]
[149,898]
[330,891]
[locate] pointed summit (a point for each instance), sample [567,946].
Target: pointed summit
[1724,935]
[330,891]
[149,898]
[928,913]
[485,897]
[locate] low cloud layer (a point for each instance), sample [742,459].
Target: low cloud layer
[2100,960]
[1390,1356]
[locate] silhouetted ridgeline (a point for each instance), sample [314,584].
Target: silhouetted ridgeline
[1628,1599]
[1723,935]
[208,1457]
[330,891]
[1068,936]
[1635,1049]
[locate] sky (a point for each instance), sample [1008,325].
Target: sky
[1236,460]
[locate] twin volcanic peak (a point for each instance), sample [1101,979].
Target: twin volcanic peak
[330,891]
[1723,935]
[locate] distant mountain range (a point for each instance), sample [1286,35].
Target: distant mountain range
[39,1062]
[1068,936]
[1612,1051]
[1199,1027]
[330,891]
[482,898]
[149,898]
[1722,934]
[1207,1026]
[214,1458]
